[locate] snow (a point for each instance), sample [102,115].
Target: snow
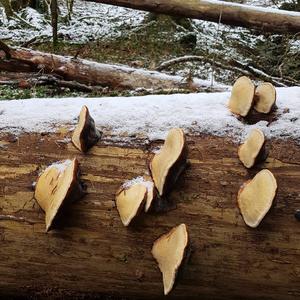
[138,180]
[150,117]
[60,166]
[248,8]
[90,21]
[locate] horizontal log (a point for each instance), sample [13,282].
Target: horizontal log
[263,19]
[94,254]
[94,73]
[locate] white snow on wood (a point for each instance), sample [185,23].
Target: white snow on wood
[263,10]
[138,180]
[60,166]
[150,117]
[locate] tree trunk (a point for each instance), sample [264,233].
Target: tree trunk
[263,19]
[54,21]
[93,73]
[93,253]
[70,5]
[7,7]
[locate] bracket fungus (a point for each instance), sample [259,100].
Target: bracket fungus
[242,96]
[56,187]
[170,251]
[134,196]
[265,98]
[253,149]
[167,165]
[130,201]
[85,134]
[256,196]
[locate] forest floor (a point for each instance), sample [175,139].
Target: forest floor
[116,35]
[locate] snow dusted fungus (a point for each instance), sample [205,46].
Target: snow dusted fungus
[60,166]
[150,117]
[138,180]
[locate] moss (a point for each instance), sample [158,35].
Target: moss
[142,47]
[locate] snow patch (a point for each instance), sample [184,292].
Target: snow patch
[138,180]
[150,117]
[60,166]
[90,21]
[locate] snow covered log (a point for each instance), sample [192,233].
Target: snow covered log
[264,19]
[93,73]
[94,254]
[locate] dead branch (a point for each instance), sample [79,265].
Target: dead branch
[24,80]
[232,65]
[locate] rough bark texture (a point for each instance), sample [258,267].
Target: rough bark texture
[93,73]
[93,253]
[264,19]
[54,21]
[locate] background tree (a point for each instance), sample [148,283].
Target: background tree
[54,21]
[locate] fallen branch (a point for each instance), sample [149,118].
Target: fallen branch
[36,40]
[231,65]
[94,73]
[32,80]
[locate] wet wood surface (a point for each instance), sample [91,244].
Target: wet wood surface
[93,253]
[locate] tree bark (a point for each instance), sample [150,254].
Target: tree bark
[54,21]
[263,19]
[93,253]
[93,73]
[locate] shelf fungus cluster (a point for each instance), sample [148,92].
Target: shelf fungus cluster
[245,96]
[256,196]
[85,135]
[144,193]
[60,184]
[253,149]
[170,252]
[56,188]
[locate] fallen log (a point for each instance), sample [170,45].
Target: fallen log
[94,254]
[260,18]
[93,73]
